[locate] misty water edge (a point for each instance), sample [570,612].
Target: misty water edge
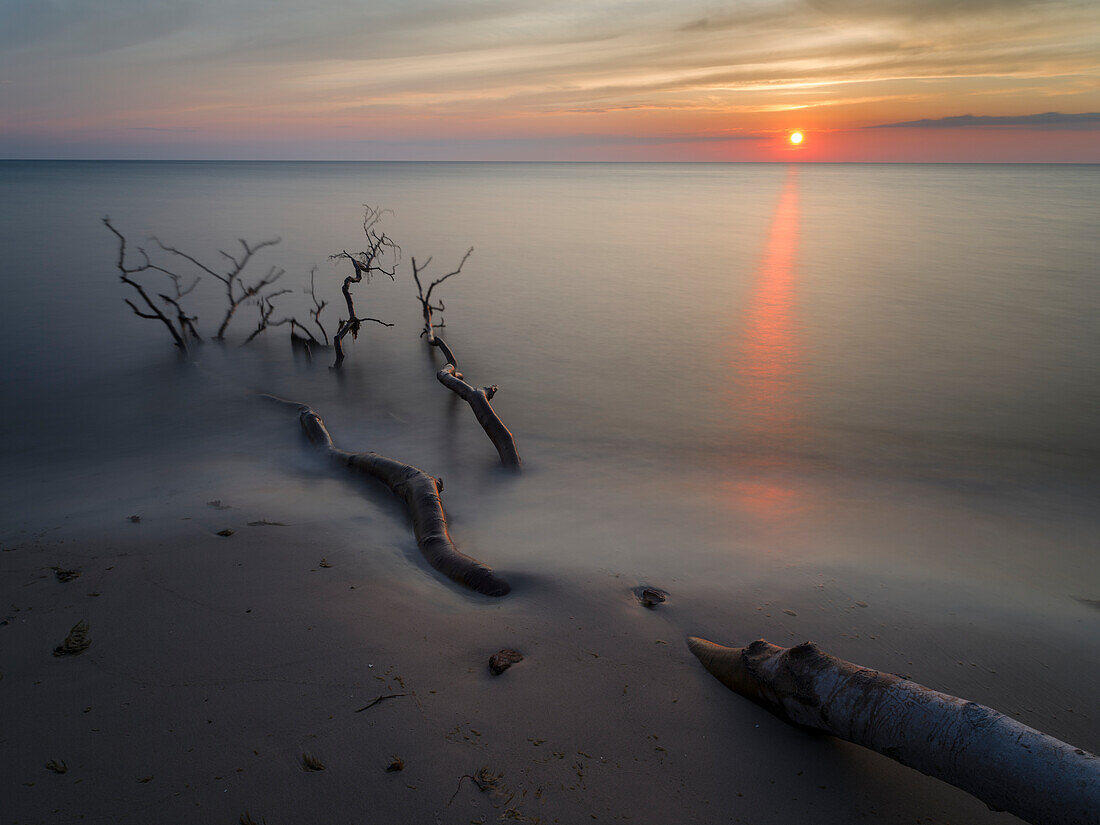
[857,404]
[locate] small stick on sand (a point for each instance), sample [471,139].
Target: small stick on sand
[375,701]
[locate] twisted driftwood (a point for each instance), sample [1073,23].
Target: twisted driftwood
[477,397]
[1007,765]
[367,263]
[420,492]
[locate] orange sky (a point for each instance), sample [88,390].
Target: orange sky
[997,80]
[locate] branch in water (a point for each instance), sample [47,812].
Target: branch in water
[421,494]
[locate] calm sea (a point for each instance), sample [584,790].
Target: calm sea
[722,378]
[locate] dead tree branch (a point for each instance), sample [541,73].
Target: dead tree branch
[381,256]
[318,306]
[420,493]
[152,311]
[236,291]
[266,305]
[1007,765]
[452,379]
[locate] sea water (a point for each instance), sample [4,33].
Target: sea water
[814,386]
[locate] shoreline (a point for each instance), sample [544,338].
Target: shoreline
[217,663]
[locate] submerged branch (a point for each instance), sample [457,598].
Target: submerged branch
[365,264]
[452,379]
[420,493]
[153,312]
[236,291]
[478,399]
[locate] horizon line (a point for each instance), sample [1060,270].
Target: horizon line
[605,162]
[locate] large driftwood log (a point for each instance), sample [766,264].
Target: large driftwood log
[420,493]
[477,397]
[1007,765]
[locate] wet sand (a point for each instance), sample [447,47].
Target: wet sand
[217,663]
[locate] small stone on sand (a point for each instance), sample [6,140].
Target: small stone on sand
[76,642]
[504,659]
[650,596]
[65,575]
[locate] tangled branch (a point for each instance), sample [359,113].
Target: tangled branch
[381,256]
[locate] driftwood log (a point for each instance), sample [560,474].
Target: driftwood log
[1007,765]
[420,493]
[477,397]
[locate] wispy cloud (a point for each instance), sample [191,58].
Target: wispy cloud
[452,69]
[1044,120]
[162,129]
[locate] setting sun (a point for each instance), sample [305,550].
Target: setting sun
[796,138]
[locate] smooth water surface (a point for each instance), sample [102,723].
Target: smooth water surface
[875,382]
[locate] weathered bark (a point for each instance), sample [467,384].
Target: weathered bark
[1007,765]
[420,493]
[478,399]
[452,379]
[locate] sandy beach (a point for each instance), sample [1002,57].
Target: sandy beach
[218,663]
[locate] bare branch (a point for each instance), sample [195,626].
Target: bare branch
[154,312]
[236,292]
[425,295]
[438,281]
[452,379]
[186,257]
[266,305]
[186,322]
[364,264]
[137,311]
[318,306]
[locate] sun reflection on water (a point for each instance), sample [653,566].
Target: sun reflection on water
[765,362]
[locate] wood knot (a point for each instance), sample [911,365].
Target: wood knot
[804,651]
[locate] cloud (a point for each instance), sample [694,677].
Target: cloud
[85,28]
[162,129]
[924,9]
[1045,120]
[257,68]
[592,140]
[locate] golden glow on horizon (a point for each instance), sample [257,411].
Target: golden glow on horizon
[796,138]
[559,81]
